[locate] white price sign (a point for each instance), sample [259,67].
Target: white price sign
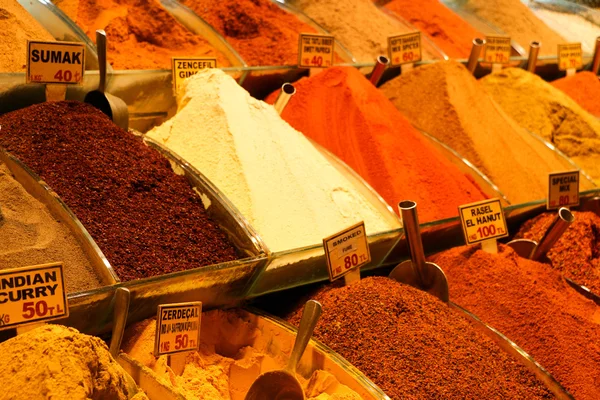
[315,51]
[55,62]
[177,328]
[482,221]
[563,190]
[346,251]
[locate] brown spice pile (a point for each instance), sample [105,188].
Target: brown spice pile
[518,21]
[577,253]
[414,346]
[446,101]
[17,26]
[146,219]
[533,306]
[141,33]
[261,32]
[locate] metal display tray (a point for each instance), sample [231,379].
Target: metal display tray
[37,188]
[280,335]
[215,285]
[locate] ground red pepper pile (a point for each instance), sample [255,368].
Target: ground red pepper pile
[146,219]
[532,305]
[576,254]
[414,346]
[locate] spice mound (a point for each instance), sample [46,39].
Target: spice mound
[533,306]
[446,101]
[56,362]
[577,253]
[584,88]
[235,348]
[414,346]
[573,27]
[446,29]
[30,235]
[358,24]
[146,219]
[17,26]
[541,108]
[141,33]
[285,187]
[342,111]
[516,20]
[261,32]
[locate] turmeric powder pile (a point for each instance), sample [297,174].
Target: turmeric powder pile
[56,362]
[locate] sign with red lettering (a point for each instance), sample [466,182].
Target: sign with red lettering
[32,294]
[177,328]
[404,49]
[346,251]
[483,220]
[315,51]
[563,190]
[55,62]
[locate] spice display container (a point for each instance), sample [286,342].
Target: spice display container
[59,210]
[280,337]
[61,27]
[575,22]
[517,353]
[222,284]
[197,25]
[297,267]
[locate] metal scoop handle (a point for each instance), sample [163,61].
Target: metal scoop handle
[310,317]
[557,227]
[101,48]
[410,221]
[121,310]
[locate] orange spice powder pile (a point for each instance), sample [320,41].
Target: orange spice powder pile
[260,31]
[584,88]
[445,28]
[141,33]
[341,110]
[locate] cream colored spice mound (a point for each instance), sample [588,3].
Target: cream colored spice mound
[357,24]
[518,21]
[56,362]
[547,111]
[276,178]
[17,26]
[446,101]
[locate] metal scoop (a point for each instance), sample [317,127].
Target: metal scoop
[283,384]
[121,310]
[417,272]
[110,105]
[537,251]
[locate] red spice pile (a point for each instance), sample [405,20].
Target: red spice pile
[146,219]
[342,111]
[584,88]
[445,28]
[533,306]
[414,346]
[577,253]
[261,32]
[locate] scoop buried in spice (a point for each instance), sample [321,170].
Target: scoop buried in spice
[110,105]
[283,384]
[533,250]
[416,272]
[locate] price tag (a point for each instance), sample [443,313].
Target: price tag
[315,51]
[482,221]
[569,56]
[346,251]
[32,294]
[563,190]
[177,328]
[55,62]
[497,50]
[404,49]
[184,67]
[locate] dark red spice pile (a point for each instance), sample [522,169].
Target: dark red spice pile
[414,346]
[577,253]
[532,305]
[146,219]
